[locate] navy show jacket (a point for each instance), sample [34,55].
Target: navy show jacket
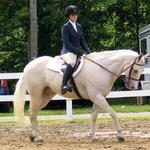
[73,41]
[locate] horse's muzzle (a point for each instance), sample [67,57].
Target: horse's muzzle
[132,88]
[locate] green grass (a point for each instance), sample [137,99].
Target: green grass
[131,108]
[117,108]
[82,121]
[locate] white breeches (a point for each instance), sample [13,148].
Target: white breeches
[70,58]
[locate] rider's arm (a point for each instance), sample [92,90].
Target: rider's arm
[83,43]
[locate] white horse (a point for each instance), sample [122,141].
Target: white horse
[99,72]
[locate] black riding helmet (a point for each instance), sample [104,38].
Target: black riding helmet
[71,10]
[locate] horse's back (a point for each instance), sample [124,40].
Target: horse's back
[41,61]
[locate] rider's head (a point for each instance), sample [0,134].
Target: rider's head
[72,12]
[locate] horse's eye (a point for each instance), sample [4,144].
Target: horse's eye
[135,71]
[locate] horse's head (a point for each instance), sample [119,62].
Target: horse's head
[133,72]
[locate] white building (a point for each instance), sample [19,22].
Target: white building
[144,44]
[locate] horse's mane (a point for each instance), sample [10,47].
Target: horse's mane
[114,53]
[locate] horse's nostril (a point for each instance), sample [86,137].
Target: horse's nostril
[132,87]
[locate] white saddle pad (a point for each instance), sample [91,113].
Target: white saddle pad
[57,64]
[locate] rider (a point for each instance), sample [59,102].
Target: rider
[73,44]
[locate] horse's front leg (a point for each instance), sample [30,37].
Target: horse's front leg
[101,102]
[95,111]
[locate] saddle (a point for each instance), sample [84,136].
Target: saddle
[59,65]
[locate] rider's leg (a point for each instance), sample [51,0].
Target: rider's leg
[66,76]
[70,59]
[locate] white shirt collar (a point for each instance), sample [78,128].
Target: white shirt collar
[73,24]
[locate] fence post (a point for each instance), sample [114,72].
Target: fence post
[69,109]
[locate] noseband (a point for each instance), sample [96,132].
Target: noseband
[125,79]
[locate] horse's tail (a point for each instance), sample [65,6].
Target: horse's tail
[19,101]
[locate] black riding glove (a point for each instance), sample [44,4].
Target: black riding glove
[81,52]
[88,51]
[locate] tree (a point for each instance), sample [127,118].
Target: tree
[107,25]
[13,34]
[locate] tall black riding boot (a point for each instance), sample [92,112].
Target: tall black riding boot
[66,76]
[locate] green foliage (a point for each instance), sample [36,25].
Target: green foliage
[107,24]
[13,35]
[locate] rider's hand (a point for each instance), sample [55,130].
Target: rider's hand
[88,51]
[81,52]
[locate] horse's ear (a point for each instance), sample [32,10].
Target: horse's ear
[146,56]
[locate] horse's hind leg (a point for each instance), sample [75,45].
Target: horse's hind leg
[46,96]
[38,102]
[101,102]
[33,109]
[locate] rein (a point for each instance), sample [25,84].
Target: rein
[125,79]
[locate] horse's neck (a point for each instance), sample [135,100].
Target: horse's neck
[114,62]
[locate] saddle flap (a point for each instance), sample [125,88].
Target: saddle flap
[58,65]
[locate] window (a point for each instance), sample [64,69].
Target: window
[143,44]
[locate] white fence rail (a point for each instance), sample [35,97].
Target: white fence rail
[112,94]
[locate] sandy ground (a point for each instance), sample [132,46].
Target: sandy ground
[75,136]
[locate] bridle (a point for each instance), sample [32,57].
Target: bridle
[125,79]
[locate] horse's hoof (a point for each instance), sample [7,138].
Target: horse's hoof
[120,139]
[31,137]
[38,140]
[95,140]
